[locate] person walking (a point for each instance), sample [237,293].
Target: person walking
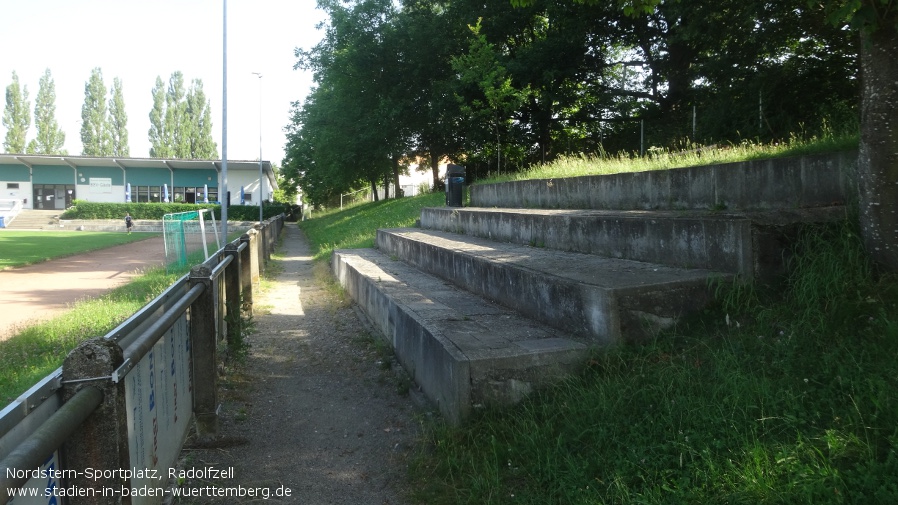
[128,222]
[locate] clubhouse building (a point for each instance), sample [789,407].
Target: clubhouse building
[54,181]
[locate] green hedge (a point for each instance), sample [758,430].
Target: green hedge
[154,211]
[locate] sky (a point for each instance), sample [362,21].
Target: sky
[138,40]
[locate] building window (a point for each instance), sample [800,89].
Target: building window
[143,194]
[12,185]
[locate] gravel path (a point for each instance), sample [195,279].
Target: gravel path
[318,408]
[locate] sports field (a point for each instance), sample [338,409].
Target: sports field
[45,288]
[18,248]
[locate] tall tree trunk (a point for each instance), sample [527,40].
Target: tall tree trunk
[386,186]
[374,189]
[435,169]
[396,191]
[878,160]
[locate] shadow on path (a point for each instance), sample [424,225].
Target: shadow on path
[315,409]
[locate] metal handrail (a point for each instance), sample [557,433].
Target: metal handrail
[35,449]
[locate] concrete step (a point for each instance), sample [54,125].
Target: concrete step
[603,299]
[462,350]
[751,244]
[30,219]
[784,183]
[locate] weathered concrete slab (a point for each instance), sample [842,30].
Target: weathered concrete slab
[782,183]
[751,244]
[604,299]
[462,350]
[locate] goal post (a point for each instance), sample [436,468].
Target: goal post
[187,238]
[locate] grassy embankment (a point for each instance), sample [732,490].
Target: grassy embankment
[784,396]
[34,352]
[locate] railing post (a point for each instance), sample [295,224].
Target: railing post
[101,442]
[260,248]
[254,239]
[202,349]
[232,293]
[246,276]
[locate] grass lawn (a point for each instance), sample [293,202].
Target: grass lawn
[19,248]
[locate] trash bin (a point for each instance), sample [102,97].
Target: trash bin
[455,185]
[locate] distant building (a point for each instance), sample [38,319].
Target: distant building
[53,182]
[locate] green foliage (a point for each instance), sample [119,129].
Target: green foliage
[180,121]
[499,89]
[82,209]
[118,120]
[49,138]
[16,116]
[155,211]
[782,401]
[355,227]
[95,135]
[19,248]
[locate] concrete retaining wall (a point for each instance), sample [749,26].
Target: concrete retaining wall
[797,182]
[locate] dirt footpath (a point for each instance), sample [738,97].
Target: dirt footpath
[318,409]
[37,292]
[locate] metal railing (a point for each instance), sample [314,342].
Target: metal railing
[122,404]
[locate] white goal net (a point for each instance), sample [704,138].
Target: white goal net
[188,238]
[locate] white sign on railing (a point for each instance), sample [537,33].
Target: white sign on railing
[159,400]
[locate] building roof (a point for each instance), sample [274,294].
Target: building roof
[30,160]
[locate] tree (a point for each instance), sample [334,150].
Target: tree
[118,120]
[199,115]
[181,121]
[50,138]
[159,148]
[350,130]
[16,116]
[876,23]
[177,125]
[96,138]
[878,159]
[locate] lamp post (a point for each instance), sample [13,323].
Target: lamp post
[261,183]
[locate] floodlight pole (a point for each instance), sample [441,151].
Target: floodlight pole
[223,191]
[261,183]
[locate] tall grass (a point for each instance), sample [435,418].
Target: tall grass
[662,159]
[784,396]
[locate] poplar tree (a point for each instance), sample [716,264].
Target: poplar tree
[158,146]
[16,116]
[199,113]
[96,138]
[181,121]
[50,138]
[118,120]
[177,124]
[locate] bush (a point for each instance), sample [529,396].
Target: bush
[83,209]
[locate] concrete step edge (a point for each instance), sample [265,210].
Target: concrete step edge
[455,350]
[603,299]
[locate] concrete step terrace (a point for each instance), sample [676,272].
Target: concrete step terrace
[463,351]
[605,300]
[751,244]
